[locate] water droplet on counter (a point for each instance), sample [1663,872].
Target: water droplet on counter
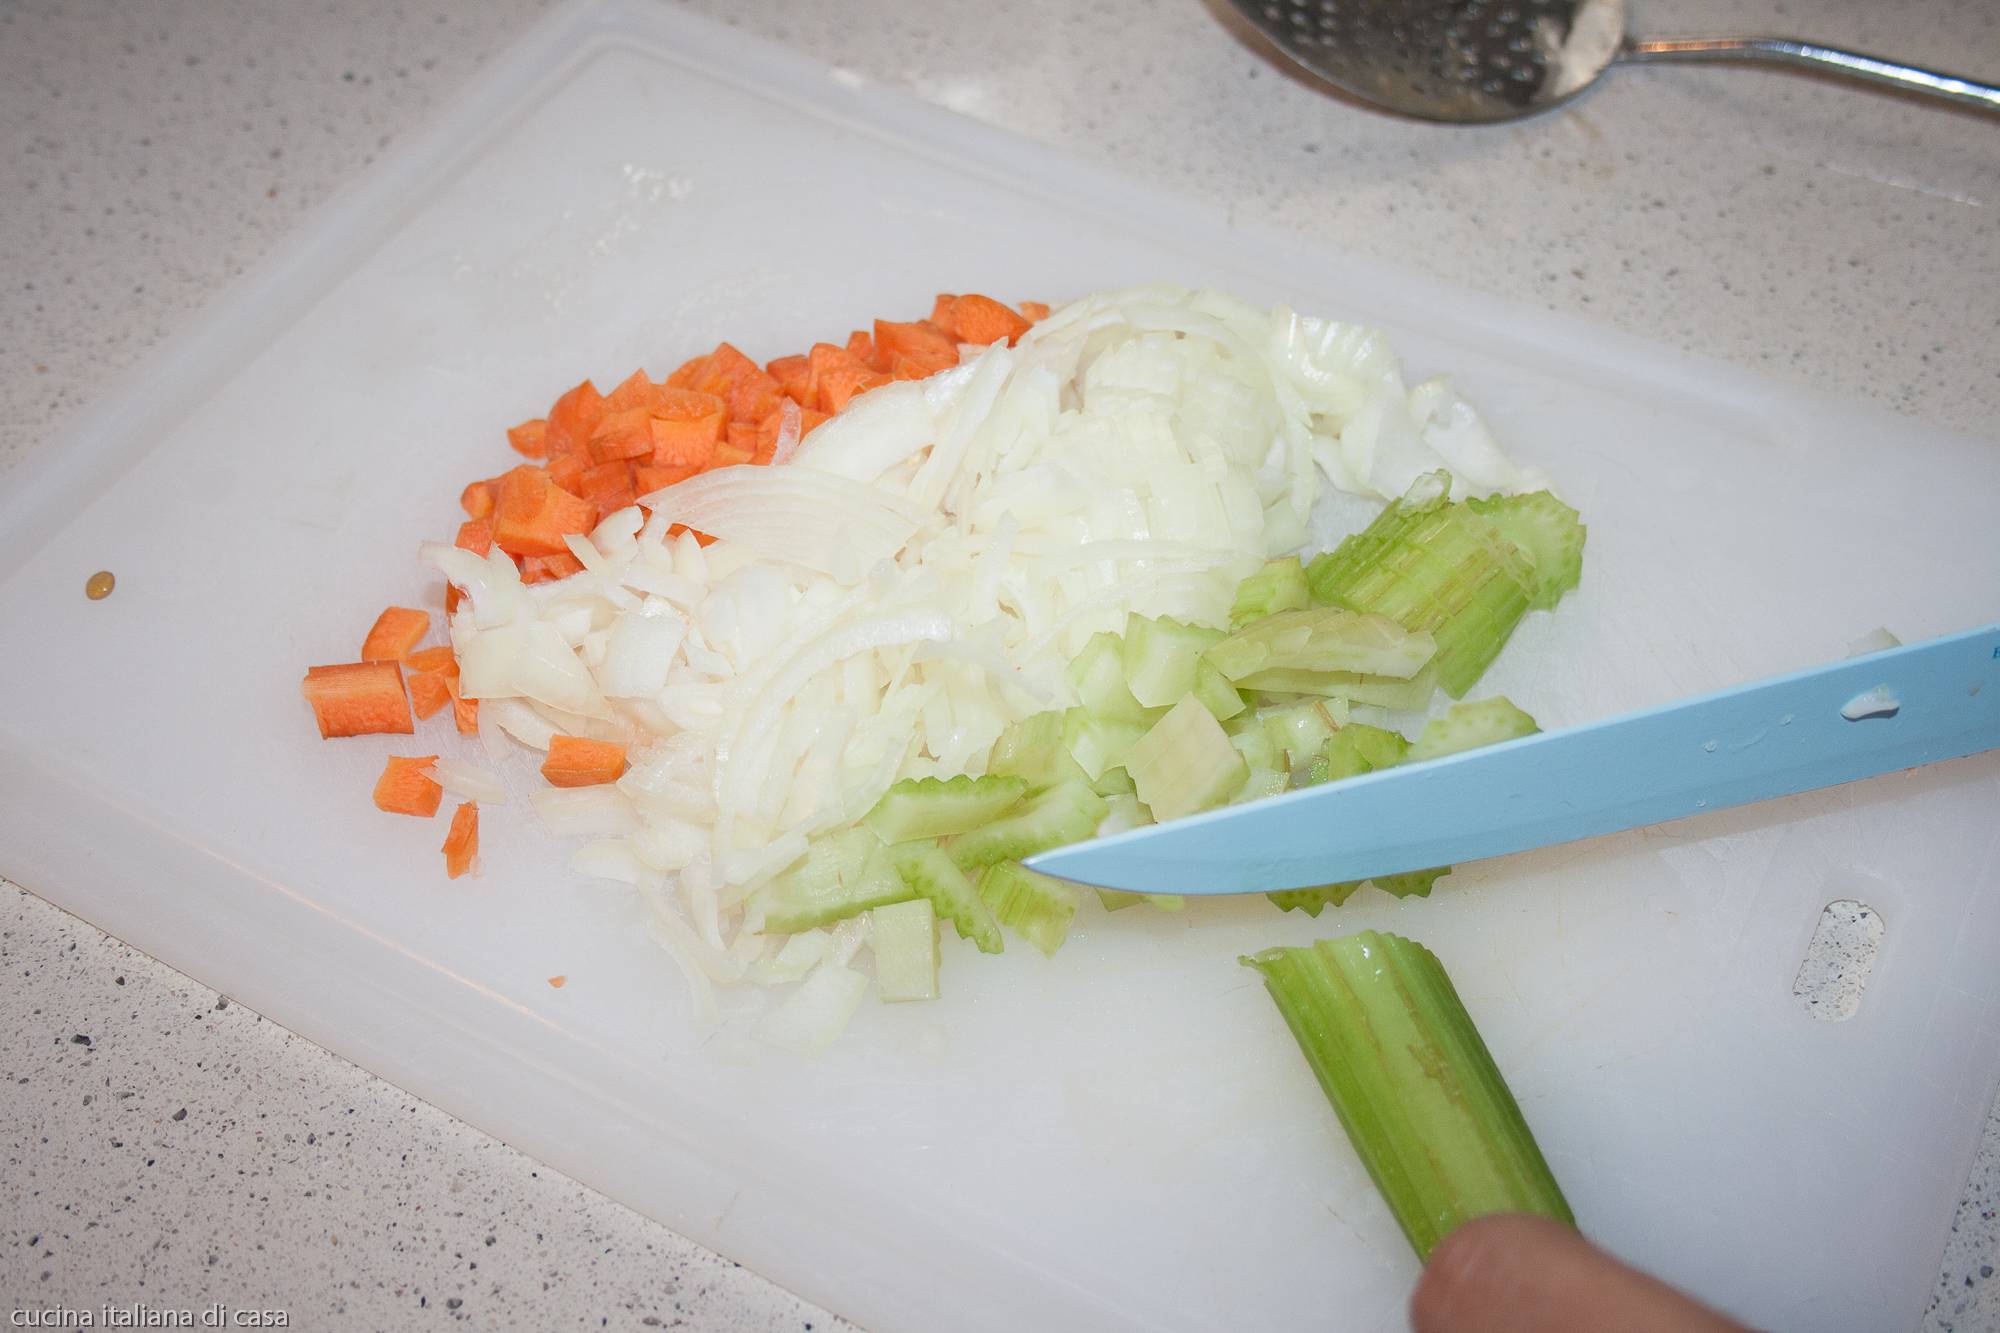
[1708,747]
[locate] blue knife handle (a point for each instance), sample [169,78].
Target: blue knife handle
[1810,729]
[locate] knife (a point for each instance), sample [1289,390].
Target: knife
[1899,708]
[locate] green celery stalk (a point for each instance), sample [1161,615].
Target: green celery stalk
[1414,1086]
[904,938]
[1313,901]
[1160,656]
[1322,638]
[1098,673]
[1467,726]
[1067,812]
[1033,750]
[1185,763]
[1549,531]
[1036,907]
[930,874]
[842,874]
[1437,567]
[936,807]
[1279,586]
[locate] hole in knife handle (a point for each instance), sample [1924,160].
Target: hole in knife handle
[1878,702]
[1839,960]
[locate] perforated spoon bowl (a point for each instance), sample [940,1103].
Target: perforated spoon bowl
[1481,61]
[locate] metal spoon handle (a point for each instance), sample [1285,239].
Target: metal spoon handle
[1810,55]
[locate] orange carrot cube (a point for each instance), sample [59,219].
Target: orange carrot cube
[982,320]
[405,789]
[530,439]
[358,699]
[575,761]
[395,632]
[475,535]
[461,841]
[532,514]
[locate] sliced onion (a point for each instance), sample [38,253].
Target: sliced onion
[469,781]
[597,811]
[824,522]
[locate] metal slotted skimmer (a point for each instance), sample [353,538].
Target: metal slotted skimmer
[1477,61]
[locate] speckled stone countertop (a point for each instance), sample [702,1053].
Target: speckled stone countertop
[161,1146]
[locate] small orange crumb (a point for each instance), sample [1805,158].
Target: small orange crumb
[557,982]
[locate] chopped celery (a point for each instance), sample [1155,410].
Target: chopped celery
[1279,586]
[1381,691]
[1359,748]
[1262,782]
[1414,1086]
[929,873]
[1323,638]
[1254,741]
[904,937]
[1430,565]
[1114,782]
[1217,695]
[1033,749]
[1037,907]
[1117,900]
[1160,657]
[935,807]
[1067,812]
[1549,531]
[1467,726]
[1098,672]
[842,874]
[1299,730]
[1411,883]
[1185,763]
[1313,901]
[1099,743]
[1123,811]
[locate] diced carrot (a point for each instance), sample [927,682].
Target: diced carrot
[722,370]
[452,597]
[1034,311]
[634,391]
[545,568]
[461,841]
[395,632]
[810,419]
[837,375]
[686,426]
[464,712]
[921,341]
[910,368]
[557,981]
[477,499]
[440,658]
[605,477]
[684,374]
[429,691]
[532,514]
[575,761]
[530,439]
[742,440]
[861,346]
[358,699]
[941,315]
[405,789]
[701,538]
[753,396]
[626,434]
[768,428]
[572,419]
[982,320]
[792,376]
[646,478]
[566,472]
[475,535]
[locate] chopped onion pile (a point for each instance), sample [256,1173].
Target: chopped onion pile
[916,578]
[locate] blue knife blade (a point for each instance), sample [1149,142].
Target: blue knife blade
[1905,706]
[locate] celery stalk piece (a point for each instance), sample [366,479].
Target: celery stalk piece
[1432,566]
[938,807]
[1467,726]
[1279,586]
[1300,729]
[929,873]
[1067,812]
[1121,812]
[1216,693]
[1185,763]
[1033,750]
[1160,657]
[1409,695]
[1262,782]
[1253,739]
[1414,1086]
[1035,906]
[1114,782]
[1098,673]
[1099,743]
[1359,748]
[1551,534]
[1117,900]
[1411,883]
[842,874]
[1314,901]
[1323,638]
[904,937]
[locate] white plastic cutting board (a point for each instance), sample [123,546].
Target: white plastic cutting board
[1124,1137]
